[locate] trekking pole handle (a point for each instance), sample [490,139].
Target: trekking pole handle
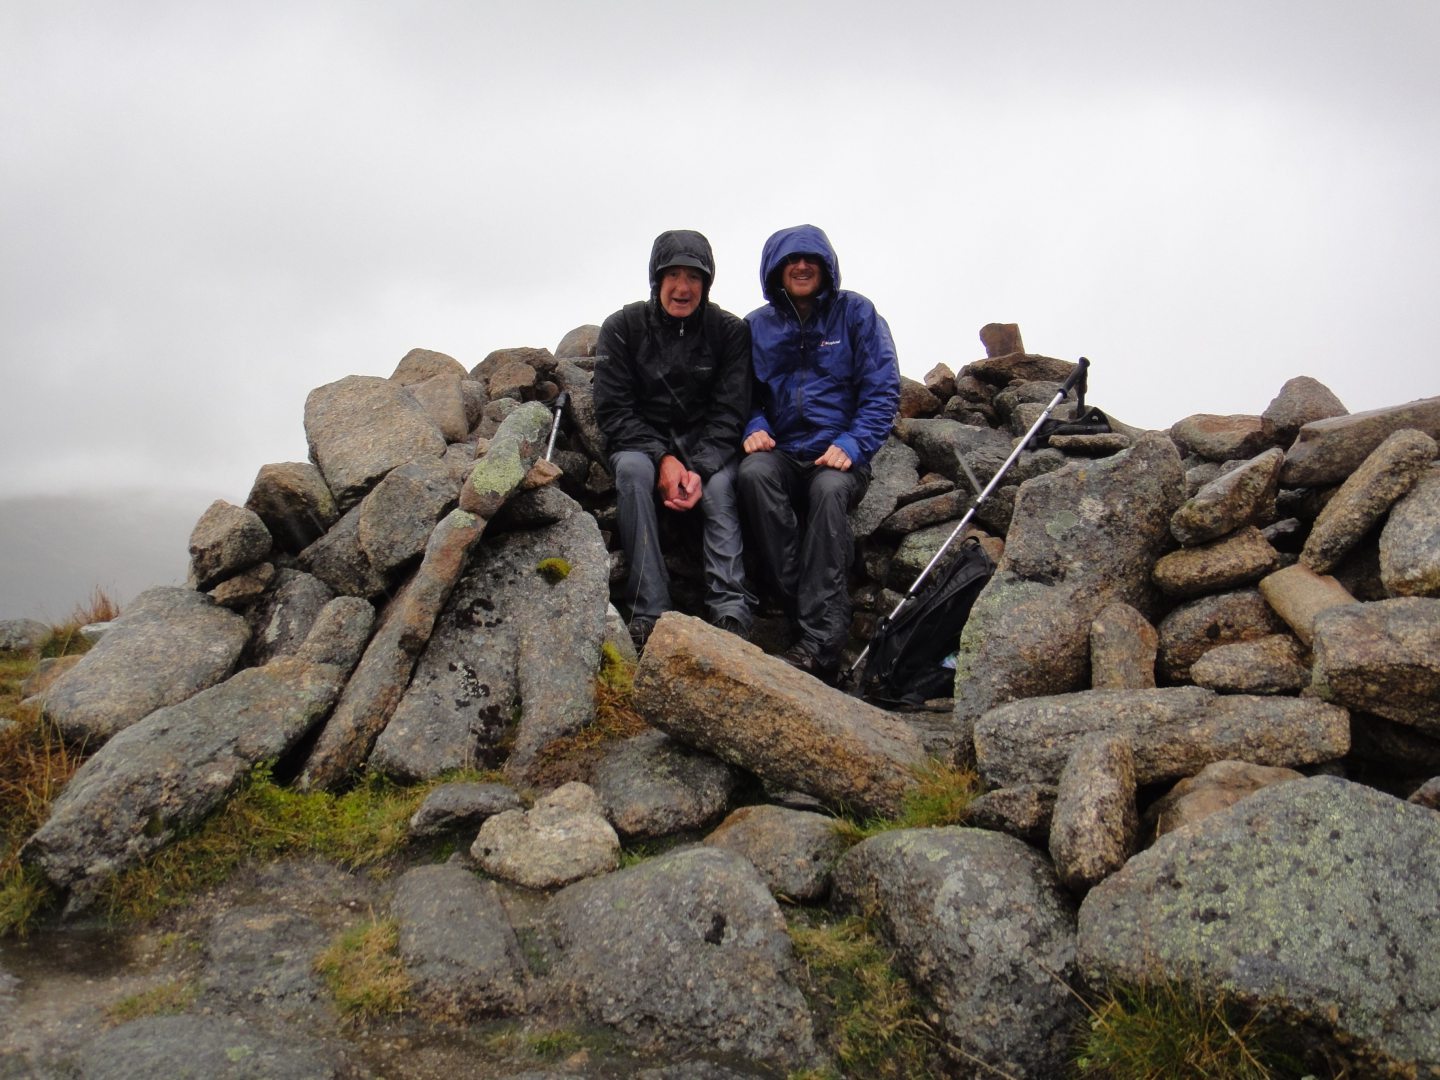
[1077,376]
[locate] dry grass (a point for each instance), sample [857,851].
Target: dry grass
[363,970]
[35,763]
[867,1016]
[573,757]
[940,797]
[1167,1031]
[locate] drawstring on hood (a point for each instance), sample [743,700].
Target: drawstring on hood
[680,247]
[796,240]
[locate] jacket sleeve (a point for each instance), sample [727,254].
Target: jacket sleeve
[877,373]
[721,432]
[615,392]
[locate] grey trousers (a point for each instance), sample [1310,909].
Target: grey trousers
[799,519]
[647,586]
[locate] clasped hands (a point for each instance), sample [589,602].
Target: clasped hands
[679,486]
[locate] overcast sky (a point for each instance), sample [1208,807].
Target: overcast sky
[208,209]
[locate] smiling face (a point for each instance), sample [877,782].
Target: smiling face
[681,290]
[803,276]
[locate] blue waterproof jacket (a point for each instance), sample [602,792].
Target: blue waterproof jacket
[833,380]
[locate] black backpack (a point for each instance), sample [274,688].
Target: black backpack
[907,663]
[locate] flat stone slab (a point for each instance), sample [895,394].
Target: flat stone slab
[1175,731]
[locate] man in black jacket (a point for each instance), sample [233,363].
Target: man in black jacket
[672,394]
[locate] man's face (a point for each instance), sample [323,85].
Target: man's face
[681,288]
[803,276]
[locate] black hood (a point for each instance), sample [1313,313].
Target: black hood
[681,247]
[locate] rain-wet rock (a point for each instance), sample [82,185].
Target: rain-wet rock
[1023,811]
[23,635]
[398,515]
[1094,824]
[564,837]
[283,618]
[1427,794]
[295,504]
[1001,339]
[1193,628]
[456,944]
[1410,540]
[1081,539]
[1175,731]
[1382,658]
[361,427]
[894,471]
[417,365]
[158,777]
[169,644]
[461,807]
[1216,787]
[1220,438]
[1301,400]
[652,786]
[1123,646]
[981,927]
[226,540]
[442,396]
[340,562]
[244,589]
[1269,665]
[1327,451]
[716,692]
[1239,559]
[579,342]
[1243,496]
[263,955]
[215,1047]
[1385,476]
[793,850]
[1298,595]
[384,671]
[1313,898]
[511,658]
[686,952]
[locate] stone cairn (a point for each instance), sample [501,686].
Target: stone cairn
[1202,692]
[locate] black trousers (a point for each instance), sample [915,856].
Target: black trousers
[799,518]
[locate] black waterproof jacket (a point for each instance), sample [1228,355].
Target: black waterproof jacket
[674,386]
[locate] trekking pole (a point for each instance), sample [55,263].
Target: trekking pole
[1077,377]
[561,400]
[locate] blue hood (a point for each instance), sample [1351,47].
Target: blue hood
[796,240]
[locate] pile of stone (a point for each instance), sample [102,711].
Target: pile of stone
[1202,691]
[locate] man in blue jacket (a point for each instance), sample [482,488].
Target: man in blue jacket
[827,386]
[672,391]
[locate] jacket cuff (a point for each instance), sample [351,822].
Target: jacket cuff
[851,448]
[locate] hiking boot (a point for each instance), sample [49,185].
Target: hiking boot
[640,628]
[802,659]
[731,625]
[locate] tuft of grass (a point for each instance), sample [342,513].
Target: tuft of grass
[572,757]
[552,1044]
[362,968]
[35,763]
[940,797]
[1165,1031]
[265,821]
[167,999]
[553,570]
[66,639]
[867,1015]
